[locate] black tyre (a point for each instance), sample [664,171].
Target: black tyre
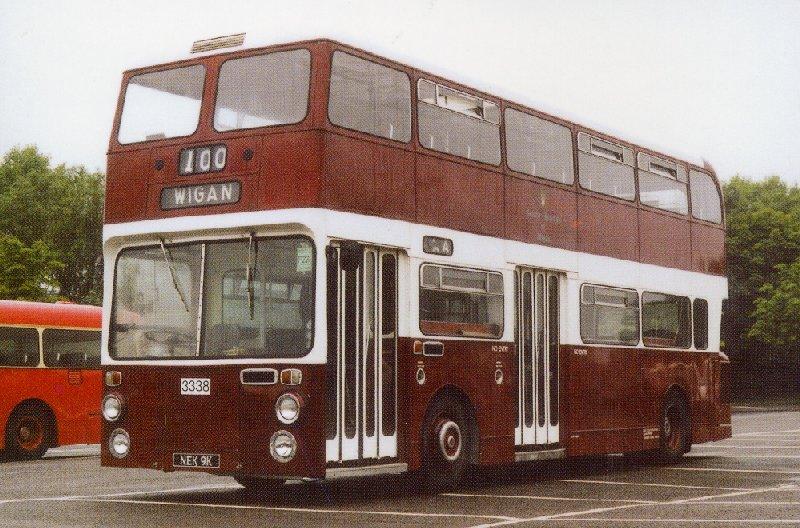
[29,432]
[261,488]
[446,444]
[675,428]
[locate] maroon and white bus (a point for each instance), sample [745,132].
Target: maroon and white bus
[324,263]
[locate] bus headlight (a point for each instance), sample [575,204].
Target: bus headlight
[287,408]
[283,446]
[112,407]
[119,443]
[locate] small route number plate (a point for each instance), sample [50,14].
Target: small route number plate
[195,386]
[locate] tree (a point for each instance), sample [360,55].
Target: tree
[27,272]
[777,314]
[60,207]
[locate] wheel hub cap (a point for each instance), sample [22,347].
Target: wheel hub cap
[449,440]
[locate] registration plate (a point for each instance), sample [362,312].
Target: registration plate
[195,460]
[195,386]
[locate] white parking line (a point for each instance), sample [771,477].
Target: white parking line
[746,447]
[767,433]
[729,455]
[650,520]
[546,497]
[501,518]
[122,494]
[654,485]
[578,516]
[732,470]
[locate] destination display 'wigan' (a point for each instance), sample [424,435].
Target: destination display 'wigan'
[200,195]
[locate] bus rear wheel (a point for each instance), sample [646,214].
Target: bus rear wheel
[446,444]
[262,488]
[29,432]
[675,430]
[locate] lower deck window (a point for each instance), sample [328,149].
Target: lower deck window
[666,321]
[460,302]
[700,323]
[609,315]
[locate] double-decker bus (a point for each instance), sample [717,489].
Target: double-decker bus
[325,263]
[50,376]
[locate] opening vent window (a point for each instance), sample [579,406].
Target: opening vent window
[609,315]
[666,321]
[369,97]
[458,123]
[662,184]
[606,167]
[461,302]
[539,147]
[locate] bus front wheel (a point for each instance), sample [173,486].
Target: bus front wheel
[446,444]
[29,432]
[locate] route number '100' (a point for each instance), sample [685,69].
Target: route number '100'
[203,159]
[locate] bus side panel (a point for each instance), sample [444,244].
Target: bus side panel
[468,366]
[602,399]
[74,400]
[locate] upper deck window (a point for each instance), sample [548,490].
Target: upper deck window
[458,123]
[539,147]
[263,90]
[71,348]
[370,98]
[19,347]
[606,167]
[706,202]
[662,184]
[163,104]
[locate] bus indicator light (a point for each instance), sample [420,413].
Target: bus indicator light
[113,378]
[291,376]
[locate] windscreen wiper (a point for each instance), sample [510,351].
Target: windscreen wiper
[252,248]
[168,260]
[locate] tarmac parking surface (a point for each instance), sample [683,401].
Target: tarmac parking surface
[752,479]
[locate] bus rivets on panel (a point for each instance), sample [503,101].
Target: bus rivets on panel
[159,164]
[421,376]
[248,154]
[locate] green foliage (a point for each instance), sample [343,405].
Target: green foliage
[27,272]
[58,209]
[763,246]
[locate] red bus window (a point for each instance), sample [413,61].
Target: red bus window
[706,202]
[662,184]
[71,348]
[606,167]
[700,323]
[19,347]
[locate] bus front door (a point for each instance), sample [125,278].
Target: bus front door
[361,417]
[538,342]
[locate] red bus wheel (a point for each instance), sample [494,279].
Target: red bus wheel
[445,444]
[29,432]
[675,431]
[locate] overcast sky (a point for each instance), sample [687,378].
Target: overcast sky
[714,80]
